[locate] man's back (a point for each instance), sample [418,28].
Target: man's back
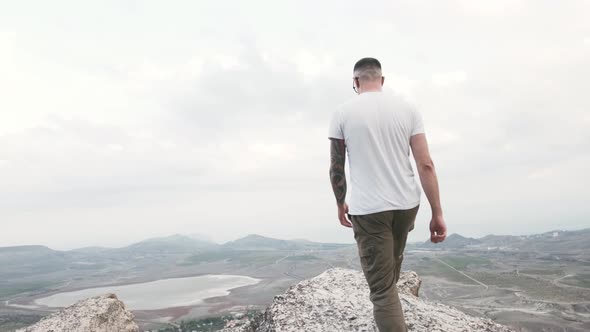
[376,127]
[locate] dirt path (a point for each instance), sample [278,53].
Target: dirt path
[479,282]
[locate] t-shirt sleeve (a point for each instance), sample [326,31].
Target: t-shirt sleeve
[418,123]
[335,128]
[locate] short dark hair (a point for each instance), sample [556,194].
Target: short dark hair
[367,69]
[367,63]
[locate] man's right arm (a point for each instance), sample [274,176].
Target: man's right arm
[429,183]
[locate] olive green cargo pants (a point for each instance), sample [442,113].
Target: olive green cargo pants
[381,240]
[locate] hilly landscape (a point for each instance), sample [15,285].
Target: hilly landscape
[529,282]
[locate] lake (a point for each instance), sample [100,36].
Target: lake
[165,293]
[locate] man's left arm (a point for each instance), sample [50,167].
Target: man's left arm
[338,178]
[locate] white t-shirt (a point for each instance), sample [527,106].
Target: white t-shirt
[376,127]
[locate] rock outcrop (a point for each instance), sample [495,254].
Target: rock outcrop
[338,300]
[96,314]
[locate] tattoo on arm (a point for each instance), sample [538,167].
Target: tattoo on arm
[337,176]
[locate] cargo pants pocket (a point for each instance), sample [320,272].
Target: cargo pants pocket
[367,257]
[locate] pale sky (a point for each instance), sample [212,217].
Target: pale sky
[123,120]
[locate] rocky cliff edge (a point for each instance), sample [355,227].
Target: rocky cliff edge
[338,301]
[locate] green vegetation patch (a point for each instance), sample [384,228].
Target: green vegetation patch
[302,258]
[461,262]
[536,288]
[11,322]
[18,288]
[432,267]
[541,272]
[241,257]
[580,280]
[208,324]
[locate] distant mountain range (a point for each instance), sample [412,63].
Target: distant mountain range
[557,241]
[171,244]
[22,261]
[554,241]
[259,242]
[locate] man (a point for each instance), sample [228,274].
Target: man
[378,129]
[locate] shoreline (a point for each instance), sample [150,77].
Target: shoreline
[31,302]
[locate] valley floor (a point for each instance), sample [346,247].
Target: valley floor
[528,291]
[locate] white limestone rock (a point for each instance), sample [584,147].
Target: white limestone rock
[103,313]
[338,300]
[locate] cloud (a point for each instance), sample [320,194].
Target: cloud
[491,8]
[221,128]
[448,78]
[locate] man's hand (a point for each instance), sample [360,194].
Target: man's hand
[342,212]
[438,229]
